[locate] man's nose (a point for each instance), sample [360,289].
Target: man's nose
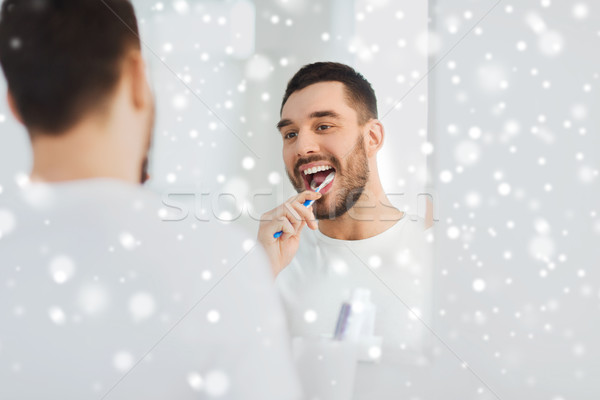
[307,143]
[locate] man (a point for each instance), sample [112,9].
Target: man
[329,123]
[99,298]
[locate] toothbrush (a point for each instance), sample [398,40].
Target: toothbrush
[309,203]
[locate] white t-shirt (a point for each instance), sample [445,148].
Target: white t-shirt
[99,296]
[395,265]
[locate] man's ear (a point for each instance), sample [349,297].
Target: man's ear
[13,107]
[135,68]
[375,136]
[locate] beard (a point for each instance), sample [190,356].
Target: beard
[144,176]
[350,182]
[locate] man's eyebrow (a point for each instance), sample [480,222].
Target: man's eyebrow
[321,114]
[283,123]
[317,114]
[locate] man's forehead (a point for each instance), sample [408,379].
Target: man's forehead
[316,98]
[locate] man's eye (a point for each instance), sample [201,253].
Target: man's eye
[290,135]
[323,127]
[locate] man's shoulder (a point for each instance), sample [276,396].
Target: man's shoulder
[106,208]
[127,226]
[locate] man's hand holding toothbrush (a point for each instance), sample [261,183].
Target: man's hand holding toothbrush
[279,230]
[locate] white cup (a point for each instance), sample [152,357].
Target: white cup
[327,367]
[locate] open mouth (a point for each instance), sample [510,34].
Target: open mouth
[315,176]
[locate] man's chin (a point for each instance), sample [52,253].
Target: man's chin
[330,213]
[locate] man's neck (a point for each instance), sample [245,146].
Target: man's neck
[81,154]
[371,215]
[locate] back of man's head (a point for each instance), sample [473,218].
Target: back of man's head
[62,58]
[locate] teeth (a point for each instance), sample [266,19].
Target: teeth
[314,170]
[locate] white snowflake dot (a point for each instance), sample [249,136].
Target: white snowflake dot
[479,285]
[206,275]
[427,148]
[123,361]
[62,269]
[375,352]
[181,6]
[310,316]
[15,43]
[216,383]
[195,381]
[375,261]
[339,267]
[580,11]
[93,298]
[248,244]
[274,178]
[446,176]
[57,315]
[453,232]
[258,68]
[504,189]
[7,221]
[213,316]
[248,163]
[141,306]
[127,240]
[475,132]
[414,314]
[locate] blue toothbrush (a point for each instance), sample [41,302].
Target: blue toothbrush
[308,203]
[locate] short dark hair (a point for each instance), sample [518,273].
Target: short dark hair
[62,58]
[359,92]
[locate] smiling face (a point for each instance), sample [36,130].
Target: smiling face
[321,133]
